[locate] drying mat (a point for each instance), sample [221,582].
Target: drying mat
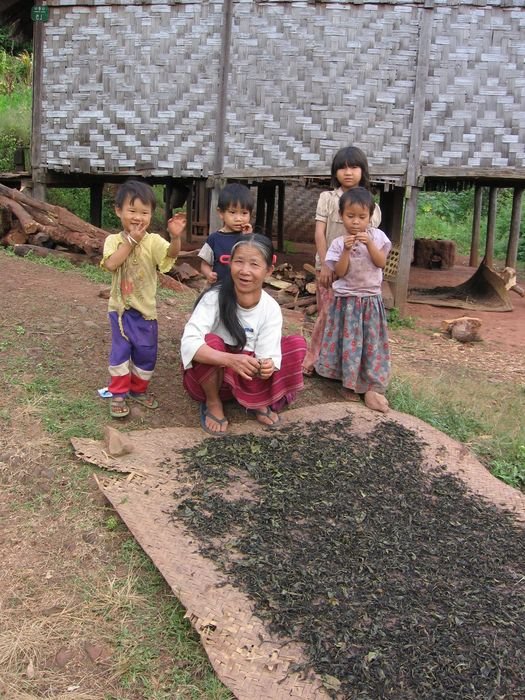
[245,656]
[484,291]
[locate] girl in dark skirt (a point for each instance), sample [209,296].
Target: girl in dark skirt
[355,347]
[232,345]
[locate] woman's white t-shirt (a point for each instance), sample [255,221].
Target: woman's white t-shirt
[262,324]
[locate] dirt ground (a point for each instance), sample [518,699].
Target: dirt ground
[54,542]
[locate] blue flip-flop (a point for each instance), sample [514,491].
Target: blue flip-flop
[266,413]
[206,414]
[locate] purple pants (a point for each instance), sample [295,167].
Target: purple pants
[132,358]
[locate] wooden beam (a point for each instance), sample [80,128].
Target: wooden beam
[515,224]
[476,224]
[491,226]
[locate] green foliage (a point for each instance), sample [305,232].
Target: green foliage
[448,215]
[15,71]
[15,126]
[12,44]
[511,469]
[76,200]
[395,321]
[505,456]
[453,420]
[92,272]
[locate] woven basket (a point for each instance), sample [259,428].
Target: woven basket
[392,263]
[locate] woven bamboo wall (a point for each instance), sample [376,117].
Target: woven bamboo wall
[133,87]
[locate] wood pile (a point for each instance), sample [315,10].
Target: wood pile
[47,230]
[29,222]
[294,289]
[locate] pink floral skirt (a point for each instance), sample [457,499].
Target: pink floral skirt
[355,348]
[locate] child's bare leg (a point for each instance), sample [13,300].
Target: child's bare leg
[215,419]
[376,401]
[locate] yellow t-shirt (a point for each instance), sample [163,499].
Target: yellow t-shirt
[134,284]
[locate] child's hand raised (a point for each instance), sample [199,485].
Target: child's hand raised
[246,229]
[349,241]
[136,232]
[362,237]
[177,225]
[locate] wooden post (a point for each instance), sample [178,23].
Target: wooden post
[168,211]
[514,233]
[491,226]
[280,216]
[476,223]
[414,160]
[95,203]
[405,250]
[260,208]
[37,172]
[214,221]
[190,204]
[270,209]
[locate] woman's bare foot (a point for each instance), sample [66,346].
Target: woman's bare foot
[213,419]
[350,395]
[376,402]
[266,416]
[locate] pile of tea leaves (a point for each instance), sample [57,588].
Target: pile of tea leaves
[397,582]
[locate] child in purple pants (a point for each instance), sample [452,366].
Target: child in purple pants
[133,257]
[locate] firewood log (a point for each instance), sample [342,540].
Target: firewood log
[464,329]
[299,303]
[28,224]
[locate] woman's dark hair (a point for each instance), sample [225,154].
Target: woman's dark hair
[235,194]
[357,195]
[227,296]
[135,189]
[353,157]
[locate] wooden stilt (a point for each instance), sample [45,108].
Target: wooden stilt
[270,209]
[491,226]
[514,233]
[476,223]
[280,216]
[405,252]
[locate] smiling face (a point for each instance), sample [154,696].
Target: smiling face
[356,218]
[248,269]
[234,218]
[134,214]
